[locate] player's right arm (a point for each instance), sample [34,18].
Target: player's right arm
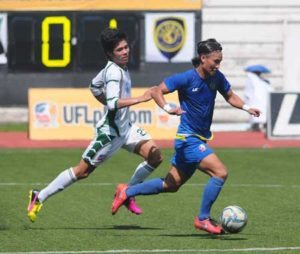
[101,98]
[157,93]
[97,88]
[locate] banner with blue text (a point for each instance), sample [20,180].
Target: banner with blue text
[72,113]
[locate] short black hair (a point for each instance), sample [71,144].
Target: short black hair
[204,48]
[208,46]
[110,38]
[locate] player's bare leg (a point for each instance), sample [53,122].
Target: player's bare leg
[152,155]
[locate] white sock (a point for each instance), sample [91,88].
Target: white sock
[63,180]
[142,171]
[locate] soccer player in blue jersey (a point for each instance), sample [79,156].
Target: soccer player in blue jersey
[197,89]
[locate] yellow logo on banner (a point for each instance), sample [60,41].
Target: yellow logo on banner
[169,35]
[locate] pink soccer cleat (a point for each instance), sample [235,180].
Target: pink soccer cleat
[208,225]
[119,199]
[132,206]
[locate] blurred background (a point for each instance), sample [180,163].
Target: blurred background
[55,44]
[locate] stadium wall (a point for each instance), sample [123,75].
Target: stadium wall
[254,32]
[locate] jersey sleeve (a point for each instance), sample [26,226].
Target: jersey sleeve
[97,85]
[112,80]
[224,86]
[175,82]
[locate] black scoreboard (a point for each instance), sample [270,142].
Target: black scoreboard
[66,41]
[56,43]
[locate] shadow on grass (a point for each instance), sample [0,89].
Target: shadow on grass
[133,227]
[226,237]
[4,227]
[110,227]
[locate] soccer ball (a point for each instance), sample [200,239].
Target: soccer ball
[233,219]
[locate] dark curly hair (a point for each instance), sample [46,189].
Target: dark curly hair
[110,38]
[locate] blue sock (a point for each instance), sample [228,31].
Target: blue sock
[153,186]
[210,194]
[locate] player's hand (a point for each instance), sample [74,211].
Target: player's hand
[176,111]
[254,112]
[172,109]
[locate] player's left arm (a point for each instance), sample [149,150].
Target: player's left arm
[113,86]
[234,100]
[127,102]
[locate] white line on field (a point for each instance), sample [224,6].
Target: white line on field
[188,184]
[157,251]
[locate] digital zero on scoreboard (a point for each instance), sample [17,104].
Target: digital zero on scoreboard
[41,41]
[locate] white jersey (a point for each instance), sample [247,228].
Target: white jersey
[113,83]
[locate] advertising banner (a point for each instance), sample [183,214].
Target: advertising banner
[72,113]
[57,5]
[169,37]
[284,115]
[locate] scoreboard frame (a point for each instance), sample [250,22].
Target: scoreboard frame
[47,41]
[58,54]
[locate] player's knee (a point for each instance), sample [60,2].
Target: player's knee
[155,157]
[82,173]
[222,173]
[171,187]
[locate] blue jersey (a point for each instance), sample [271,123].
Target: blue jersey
[197,99]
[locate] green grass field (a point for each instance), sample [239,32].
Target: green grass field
[265,182]
[13,126]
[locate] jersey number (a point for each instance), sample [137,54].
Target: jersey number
[141,132]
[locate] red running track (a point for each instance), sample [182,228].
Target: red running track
[222,139]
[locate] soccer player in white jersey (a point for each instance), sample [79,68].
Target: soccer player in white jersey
[111,87]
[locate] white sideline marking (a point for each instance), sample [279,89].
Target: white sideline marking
[156,251]
[188,184]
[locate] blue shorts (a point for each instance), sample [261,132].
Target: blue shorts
[188,153]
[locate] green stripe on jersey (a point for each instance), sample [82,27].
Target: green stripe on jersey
[95,86]
[111,115]
[109,99]
[101,140]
